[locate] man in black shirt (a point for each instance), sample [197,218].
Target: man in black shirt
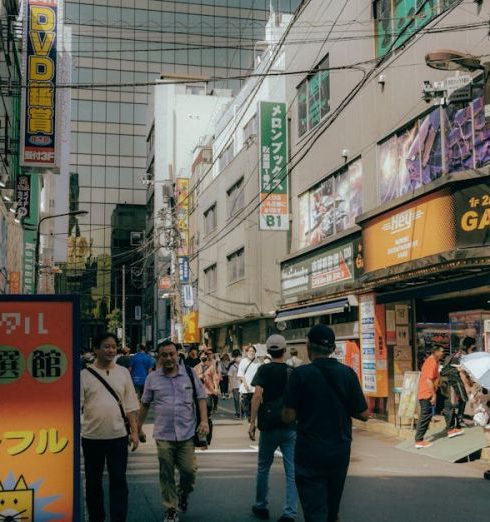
[270,383]
[323,397]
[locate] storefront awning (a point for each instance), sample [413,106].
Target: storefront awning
[336,306]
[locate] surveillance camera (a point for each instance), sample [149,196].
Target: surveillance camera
[345,153]
[427,84]
[381,79]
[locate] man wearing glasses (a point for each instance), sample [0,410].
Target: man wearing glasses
[171,389]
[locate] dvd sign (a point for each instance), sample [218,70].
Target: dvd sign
[40,71]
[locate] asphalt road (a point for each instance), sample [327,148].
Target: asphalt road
[384,484]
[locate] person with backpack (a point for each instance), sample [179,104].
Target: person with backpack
[323,397]
[454,390]
[270,384]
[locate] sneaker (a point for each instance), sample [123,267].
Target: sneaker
[423,444]
[183,503]
[262,513]
[171,516]
[455,432]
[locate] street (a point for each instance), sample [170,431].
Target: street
[384,483]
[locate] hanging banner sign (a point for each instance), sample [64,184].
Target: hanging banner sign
[29,261]
[184,269]
[39,401]
[273,167]
[182,211]
[38,138]
[23,196]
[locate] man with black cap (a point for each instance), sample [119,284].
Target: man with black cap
[270,383]
[323,397]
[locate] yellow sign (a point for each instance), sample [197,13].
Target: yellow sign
[191,328]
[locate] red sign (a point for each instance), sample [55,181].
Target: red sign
[39,398]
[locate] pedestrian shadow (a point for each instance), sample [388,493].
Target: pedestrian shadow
[415,499]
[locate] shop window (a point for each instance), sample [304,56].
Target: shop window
[236,197]
[314,98]
[414,156]
[331,206]
[210,278]
[236,265]
[395,21]
[210,219]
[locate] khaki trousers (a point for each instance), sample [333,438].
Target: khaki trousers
[172,456]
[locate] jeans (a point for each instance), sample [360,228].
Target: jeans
[236,400]
[424,419]
[453,411]
[247,404]
[269,441]
[320,490]
[174,455]
[96,453]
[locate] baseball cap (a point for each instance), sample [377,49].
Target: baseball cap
[275,342]
[322,335]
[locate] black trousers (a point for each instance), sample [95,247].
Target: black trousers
[96,453]
[320,492]
[247,404]
[424,419]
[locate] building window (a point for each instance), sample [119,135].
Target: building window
[226,156]
[314,98]
[210,220]
[210,278]
[250,129]
[396,21]
[236,197]
[236,265]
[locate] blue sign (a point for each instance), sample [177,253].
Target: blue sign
[184,269]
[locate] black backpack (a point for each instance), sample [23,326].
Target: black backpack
[270,412]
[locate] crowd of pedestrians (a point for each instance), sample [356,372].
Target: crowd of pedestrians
[295,406]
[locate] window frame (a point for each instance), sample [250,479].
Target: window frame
[214,269]
[233,197]
[212,208]
[235,269]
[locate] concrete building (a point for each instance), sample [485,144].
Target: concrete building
[183,111]
[389,192]
[238,261]
[119,43]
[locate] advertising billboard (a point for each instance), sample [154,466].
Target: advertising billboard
[421,228]
[313,273]
[39,401]
[38,137]
[273,167]
[182,210]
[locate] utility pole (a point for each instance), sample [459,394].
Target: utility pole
[123,307]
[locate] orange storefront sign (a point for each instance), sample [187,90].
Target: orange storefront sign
[14,283]
[39,397]
[411,232]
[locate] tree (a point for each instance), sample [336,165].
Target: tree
[114,320]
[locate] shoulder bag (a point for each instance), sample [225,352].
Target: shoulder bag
[270,412]
[197,441]
[109,388]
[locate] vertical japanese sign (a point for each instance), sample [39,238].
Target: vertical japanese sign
[23,196]
[38,138]
[273,167]
[39,401]
[374,354]
[182,211]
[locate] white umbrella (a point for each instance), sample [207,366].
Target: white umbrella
[478,366]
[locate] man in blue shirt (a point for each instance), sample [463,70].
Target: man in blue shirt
[140,366]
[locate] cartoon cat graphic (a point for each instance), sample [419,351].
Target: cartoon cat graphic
[17,505]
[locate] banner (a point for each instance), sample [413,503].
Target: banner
[374,353]
[184,271]
[191,328]
[23,196]
[472,207]
[38,138]
[29,261]
[419,229]
[313,273]
[273,167]
[182,211]
[14,283]
[39,401]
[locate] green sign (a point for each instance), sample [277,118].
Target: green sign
[273,167]
[30,237]
[314,272]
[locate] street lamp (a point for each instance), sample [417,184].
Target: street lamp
[450,60]
[38,234]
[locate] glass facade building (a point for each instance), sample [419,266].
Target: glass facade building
[116,45]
